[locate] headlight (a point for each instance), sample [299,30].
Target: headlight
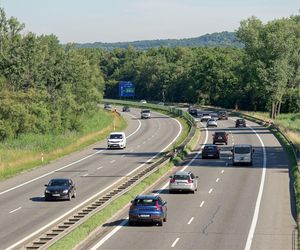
[66,191]
[47,191]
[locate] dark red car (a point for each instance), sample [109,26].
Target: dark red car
[240,123]
[220,137]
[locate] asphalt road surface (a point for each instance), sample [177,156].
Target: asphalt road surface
[240,207]
[23,210]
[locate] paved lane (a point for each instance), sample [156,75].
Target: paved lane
[220,214]
[23,210]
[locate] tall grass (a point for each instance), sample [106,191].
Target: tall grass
[26,151]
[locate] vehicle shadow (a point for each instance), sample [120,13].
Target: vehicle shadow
[120,221]
[38,199]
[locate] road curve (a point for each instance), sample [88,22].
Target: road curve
[234,208]
[23,210]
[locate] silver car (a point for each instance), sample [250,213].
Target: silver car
[183,181]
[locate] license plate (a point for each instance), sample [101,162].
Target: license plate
[144,215]
[220,137]
[211,155]
[56,195]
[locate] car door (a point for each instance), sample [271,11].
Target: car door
[163,206]
[195,181]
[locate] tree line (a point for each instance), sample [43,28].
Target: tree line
[262,76]
[44,87]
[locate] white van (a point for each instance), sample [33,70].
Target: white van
[116,140]
[242,154]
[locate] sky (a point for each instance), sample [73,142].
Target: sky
[84,21]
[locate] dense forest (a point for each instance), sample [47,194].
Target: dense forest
[217,39]
[43,86]
[48,87]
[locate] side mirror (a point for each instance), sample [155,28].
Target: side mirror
[253,150]
[132,201]
[197,176]
[46,185]
[171,176]
[164,203]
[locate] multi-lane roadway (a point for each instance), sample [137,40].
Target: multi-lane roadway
[23,210]
[240,207]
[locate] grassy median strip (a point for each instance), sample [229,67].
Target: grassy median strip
[82,231]
[27,151]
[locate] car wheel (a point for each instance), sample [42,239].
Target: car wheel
[171,191]
[74,194]
[47,199]
[165,218]
[130,223]
[69,196]
[192,191]
[160,223]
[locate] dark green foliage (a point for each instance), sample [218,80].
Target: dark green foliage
[221,39]
[45,87]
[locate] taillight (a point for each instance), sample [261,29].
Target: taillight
[190,181]
[157,207]
[172,180]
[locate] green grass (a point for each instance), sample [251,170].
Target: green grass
[25,152]
[288,124]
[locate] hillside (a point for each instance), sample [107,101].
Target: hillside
[221,39]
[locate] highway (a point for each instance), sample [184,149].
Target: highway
[240,207]
[23,210]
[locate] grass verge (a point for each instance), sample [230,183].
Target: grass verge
[25,153]
[81,232]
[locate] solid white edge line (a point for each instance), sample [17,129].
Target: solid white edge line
[12,211]
[202,203]
[95,195]
[259,196]
[117,228]
[190,221]
[175,242]
[66,166]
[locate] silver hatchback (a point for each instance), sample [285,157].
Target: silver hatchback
[183,181]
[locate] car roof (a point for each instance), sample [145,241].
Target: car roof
[242,145]
[146,197]
[60,179]
[210,145]
[182,173]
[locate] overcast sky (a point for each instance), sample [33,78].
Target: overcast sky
[130,20]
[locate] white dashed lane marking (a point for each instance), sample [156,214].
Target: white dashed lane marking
[15,210]
[217,179]
[99,167]
[85,175]
[202,203]
[222,171]
[210,190]
[190,221]
[175,242]
[112,161]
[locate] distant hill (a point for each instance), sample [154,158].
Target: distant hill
[218,39]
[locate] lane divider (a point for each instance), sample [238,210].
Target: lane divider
[210,190]
[175,242]
[15,210]
[202,203]
[190,221]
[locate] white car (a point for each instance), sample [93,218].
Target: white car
[143,101]
[183,181]
[116,140]
[212,123]
[205,117]
[145,114]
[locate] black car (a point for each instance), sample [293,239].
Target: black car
[240,123]
[193,111]
[126,109]
[210,151]
[220,137]
[60,189]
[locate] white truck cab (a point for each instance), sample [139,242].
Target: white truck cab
[242,154]
[116,140]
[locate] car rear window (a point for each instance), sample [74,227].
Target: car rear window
[242,150]
[116,136]
[145,202]
[146,111]
[220,133]
[209,148]
[59,183]
[181,177]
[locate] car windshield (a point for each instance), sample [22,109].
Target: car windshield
[181,177]
[219,134]
[59,183]
[146,111]
[145,202]
[116,136]
[209,148]
[242,150]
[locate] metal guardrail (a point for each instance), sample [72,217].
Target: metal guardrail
[69,223]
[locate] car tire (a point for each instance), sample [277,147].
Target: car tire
[130,223]
[165,218]
[69,197]
[74,194]
[160,223]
